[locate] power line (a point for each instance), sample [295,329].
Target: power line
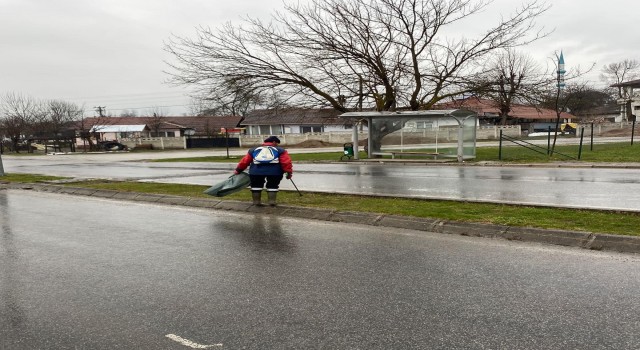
[158,94]
[120,109]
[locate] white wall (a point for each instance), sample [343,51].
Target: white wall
[292,129]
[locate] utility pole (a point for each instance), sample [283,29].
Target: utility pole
[1,167]
[100,110]
[559,108]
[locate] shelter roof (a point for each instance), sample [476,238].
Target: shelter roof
[632,84]
[119,128]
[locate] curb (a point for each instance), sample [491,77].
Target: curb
[584,240]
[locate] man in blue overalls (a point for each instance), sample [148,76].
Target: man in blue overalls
[267,163]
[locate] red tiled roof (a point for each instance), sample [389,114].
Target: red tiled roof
[201,124]
[488,107]
[294,116]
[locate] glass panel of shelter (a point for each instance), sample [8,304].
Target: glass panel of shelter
[437,135]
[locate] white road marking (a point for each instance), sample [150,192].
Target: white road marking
[189,343]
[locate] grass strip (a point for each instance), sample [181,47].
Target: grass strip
[597,221]
[29,178]
[608,152]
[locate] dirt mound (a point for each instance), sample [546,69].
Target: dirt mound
[617,132]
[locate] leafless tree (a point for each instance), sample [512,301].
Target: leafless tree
[85,128]
[156,118]
[231,99]
[199,105]
[89,128]
[323,50]
[561,97]
[513,78]
[61,115]
[18,114]
[320,54]
[620,72]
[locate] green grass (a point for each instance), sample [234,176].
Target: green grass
[28,178]
[295,157]
[611,152]
[548,218]
[512,215]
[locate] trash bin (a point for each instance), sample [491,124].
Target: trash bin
[348,151]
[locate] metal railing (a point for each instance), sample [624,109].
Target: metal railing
[536,148]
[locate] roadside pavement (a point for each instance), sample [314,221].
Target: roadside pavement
[584,240]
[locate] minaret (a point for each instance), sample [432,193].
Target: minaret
[561,71]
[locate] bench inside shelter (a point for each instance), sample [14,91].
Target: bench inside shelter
[395,154]
[399,154]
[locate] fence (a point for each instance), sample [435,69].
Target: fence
[489,132]
[155,142]
[336,137]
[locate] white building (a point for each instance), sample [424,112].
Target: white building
[630,103]
[295,121]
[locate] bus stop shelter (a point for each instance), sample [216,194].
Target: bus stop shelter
[438,133]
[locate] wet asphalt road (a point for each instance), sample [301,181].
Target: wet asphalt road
[85,273]
[580,187]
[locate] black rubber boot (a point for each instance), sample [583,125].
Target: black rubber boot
[255,195]
[272,197]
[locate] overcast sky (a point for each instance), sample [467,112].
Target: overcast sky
[109,52]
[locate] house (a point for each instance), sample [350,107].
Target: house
[119,131]
[161,132]
[629,106]
[116,128]
[202,126]
[602,114]
[294,121]
[530,118]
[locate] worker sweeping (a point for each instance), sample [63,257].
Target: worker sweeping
[267,165]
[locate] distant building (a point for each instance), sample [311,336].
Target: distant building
[529,118]
[294,121]
[629,106]
[115,128]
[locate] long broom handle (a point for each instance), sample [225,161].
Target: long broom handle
[294,185]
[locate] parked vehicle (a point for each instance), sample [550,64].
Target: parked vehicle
[112,146]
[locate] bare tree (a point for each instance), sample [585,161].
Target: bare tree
[61,115]
[321,53]
[58,121]
[19,113]
[513,78]
[85,128]
[155,119]
[620,72]
[561,99]
[323,50]
[231,99]
[89,130]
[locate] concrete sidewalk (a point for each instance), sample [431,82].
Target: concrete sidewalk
[585,240]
